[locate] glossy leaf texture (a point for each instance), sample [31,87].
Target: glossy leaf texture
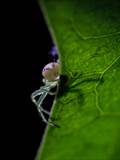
[87,107]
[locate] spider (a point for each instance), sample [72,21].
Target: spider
[51,78]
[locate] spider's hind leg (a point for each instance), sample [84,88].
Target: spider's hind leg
[42,115]
[44,111]
[38,102]
[44,119]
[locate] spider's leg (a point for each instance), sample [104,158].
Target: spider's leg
[43,91]
[41,98]
[42,115]
[40,109]
[52,93]
[36,93]
[44,111]
[39,102]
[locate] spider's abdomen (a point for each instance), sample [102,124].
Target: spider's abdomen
[51,71]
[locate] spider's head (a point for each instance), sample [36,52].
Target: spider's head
[51,71]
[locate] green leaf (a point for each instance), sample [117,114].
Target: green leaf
[87,108]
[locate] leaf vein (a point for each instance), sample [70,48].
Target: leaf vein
[96,86]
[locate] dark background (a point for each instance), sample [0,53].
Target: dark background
[27,44]
[40,43]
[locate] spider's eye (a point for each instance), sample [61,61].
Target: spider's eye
[51,71]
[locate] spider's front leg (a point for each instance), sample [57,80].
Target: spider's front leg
[42,92]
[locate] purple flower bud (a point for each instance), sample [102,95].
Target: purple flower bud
[53,51]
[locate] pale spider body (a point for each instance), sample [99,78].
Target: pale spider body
[50,79]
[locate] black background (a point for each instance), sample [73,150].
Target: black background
[39,45]
[27,44]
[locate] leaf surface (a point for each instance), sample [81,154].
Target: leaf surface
[87,34]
